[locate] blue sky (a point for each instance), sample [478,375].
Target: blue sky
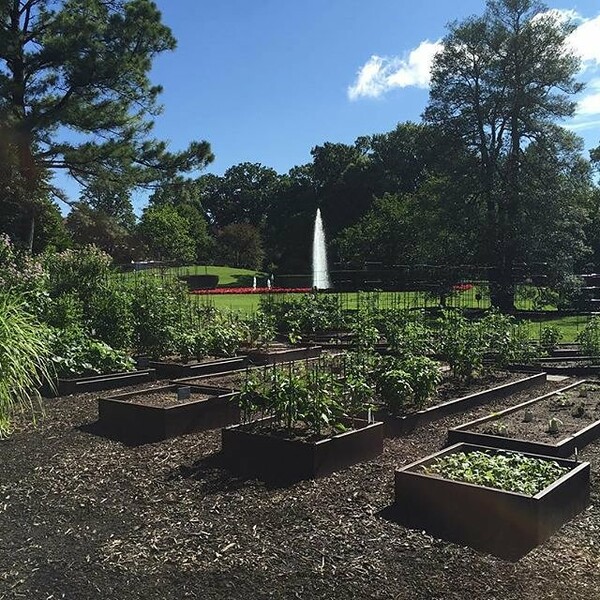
[266,80]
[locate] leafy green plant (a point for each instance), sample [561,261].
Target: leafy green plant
[460,343]
[161,312]
[80,272]
[261,328]
[63,311]
[550,336]
[499,429]
[75,354]
[24,359]
[225,333]
[406,332]
[300,395]
[510,472]
[589,337]
[110,316]
[308,313]
[424,375]
[394,389]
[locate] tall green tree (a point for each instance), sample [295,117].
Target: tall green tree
[75,93]
[500,83]
[167,235]
[88,225]
[240,245]
[245,193]
[112,198]
[185,197]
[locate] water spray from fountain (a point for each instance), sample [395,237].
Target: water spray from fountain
[321,279]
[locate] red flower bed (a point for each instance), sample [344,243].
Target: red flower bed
[462,287]
[252,290]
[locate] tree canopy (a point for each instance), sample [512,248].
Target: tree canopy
[75,94]
[499,85]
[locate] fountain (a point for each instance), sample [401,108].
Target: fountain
[319,262]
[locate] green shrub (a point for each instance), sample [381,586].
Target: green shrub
[64,311]
[75,354]
[110,316]
[460,343]
[550,336]
[394,389]
[161,312]
[506,340]
[81,272]
[309,313]
[261,328]
[406,332]
[424,375]
[24,358]
[589,337]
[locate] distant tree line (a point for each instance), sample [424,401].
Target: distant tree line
[487,177]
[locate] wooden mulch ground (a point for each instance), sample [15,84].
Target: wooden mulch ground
[83,517]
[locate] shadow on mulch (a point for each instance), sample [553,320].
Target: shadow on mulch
[389,514]
[96,428]
[215,476]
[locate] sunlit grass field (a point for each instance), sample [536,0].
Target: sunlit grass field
[476,297]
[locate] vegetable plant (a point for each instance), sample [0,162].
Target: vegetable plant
[509,472]
[589,337]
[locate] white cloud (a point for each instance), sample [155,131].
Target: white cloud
[381,74]
[590,103]
[585,41]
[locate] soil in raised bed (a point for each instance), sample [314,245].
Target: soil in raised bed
[233,381]
[575,409]
[163,399]
[569,363]
[298,431]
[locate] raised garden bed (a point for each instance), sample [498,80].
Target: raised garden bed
[566,351]
[159,413]
[94,383]
[527,426]
[403,424]
[230,380]
[253,449]
[503,523]
[174,369]
[282,353]
[563,365]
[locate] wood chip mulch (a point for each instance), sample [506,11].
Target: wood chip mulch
[83,517]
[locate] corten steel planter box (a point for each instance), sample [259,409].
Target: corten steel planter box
[562,448]
[577,366]
[269,357]
[175,370]
[401,425]
[199,380]
[566,350]
[274,458]
[127,418]
[95,383]
[505,524]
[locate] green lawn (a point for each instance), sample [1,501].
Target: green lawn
[569,326]
[476,297]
